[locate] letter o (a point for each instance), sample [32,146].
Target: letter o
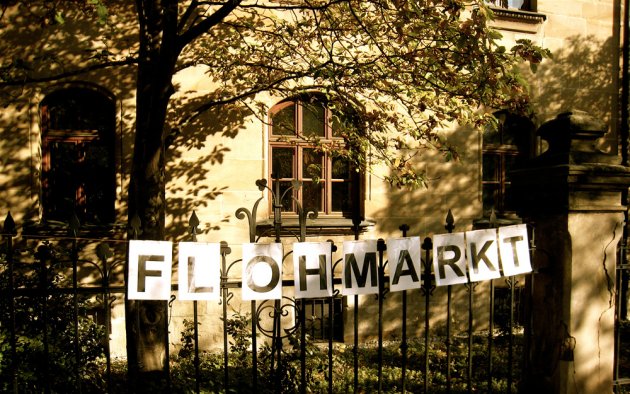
[275,274]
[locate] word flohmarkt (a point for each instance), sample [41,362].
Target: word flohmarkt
[457,258]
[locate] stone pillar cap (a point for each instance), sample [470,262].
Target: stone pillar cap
[578,124]
[572,138]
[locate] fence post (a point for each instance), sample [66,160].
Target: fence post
[404,345]
[73,229]
[104,253]
[193,223]
[44,255]
[382,291]
[427,290]
[572,193]
[8,232]
[449,226]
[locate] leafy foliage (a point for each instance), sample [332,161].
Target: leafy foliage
[45,354]
[395,73]
[285,375]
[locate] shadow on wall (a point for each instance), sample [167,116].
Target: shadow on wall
[195,154]
[194,150]
[579,76]
[451,184]
[35,50]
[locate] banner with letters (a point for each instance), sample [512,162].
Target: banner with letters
[458,258]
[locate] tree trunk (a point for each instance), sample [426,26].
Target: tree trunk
[147,321]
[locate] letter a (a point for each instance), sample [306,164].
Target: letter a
[405,262]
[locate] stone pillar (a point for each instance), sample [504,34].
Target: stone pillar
[572,196]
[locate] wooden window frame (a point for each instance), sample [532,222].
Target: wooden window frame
[299,143]
[510,148]
[84,140]
[75,138]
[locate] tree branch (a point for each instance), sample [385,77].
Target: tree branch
[67,74]
[205,25]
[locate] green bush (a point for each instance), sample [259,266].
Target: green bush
[50,320]
[45,352]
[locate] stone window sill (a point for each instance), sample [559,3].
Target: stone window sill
[54,229]
[314,227]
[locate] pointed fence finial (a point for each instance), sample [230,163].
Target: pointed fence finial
[74,224]
[9,225]
[493,219]
[103,251]
[193,223]
[450,222]
[135,223]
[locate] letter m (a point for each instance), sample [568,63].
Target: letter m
[352,267]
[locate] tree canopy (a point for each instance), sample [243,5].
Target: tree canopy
[407,69]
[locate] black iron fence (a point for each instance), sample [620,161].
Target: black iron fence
[622,320]
[55,331]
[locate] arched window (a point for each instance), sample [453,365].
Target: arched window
[505,144]
[78,174]
[330,185]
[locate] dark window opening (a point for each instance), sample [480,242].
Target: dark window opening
[505,145]
[319,324]
[78,156]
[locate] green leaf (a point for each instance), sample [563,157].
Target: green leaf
[59,18]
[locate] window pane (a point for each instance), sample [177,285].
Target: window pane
[340,168]
[313,119]
[99,184]
[518,4]
[491,167]
[79,109]
[510,160]
[312,164]
[341,196]
[491,135]
[337,127]
[287,201]
[61,178]
[283,121]
[312,196]
[508,199]
[490,197]
[282,163]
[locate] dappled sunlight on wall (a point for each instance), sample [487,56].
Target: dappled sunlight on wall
[580,76]
[451,184]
